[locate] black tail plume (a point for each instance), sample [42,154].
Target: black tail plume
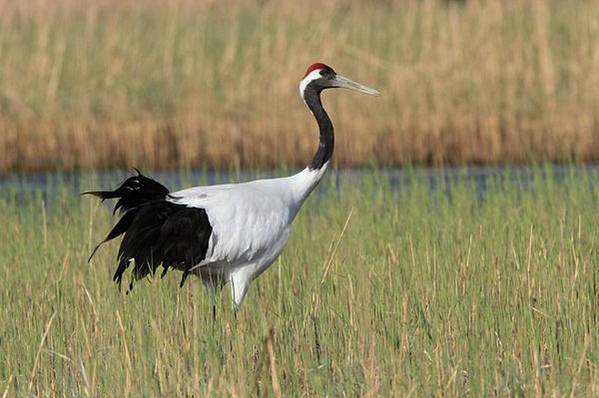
[156,231]
[133,192]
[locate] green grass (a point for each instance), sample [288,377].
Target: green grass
[423,293]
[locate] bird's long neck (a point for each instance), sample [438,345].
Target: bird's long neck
[305,181]
[327,137]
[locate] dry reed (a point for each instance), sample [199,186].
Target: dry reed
[181,84]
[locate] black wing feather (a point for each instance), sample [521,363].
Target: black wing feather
[156,231]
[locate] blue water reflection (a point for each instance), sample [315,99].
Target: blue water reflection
[47,185]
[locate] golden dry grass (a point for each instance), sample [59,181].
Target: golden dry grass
[165,84]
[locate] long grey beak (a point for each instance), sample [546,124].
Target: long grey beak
[344,82]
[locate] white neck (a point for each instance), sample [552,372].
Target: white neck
[300,185]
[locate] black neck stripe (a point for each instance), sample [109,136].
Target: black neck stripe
[327,136]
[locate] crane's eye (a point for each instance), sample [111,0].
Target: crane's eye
[326,72]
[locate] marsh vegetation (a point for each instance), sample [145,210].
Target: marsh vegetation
[384,289]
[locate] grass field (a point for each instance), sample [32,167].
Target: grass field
[419,291]
[168,84]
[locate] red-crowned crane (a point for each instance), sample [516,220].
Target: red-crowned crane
[221,233]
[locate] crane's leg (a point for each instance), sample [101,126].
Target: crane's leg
[212,288]
[239,287]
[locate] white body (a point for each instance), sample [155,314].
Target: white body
[251,223]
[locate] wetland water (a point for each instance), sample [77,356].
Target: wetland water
[21,186]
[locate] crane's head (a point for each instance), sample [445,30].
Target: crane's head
[320,76]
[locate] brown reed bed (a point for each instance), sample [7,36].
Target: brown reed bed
[180,84]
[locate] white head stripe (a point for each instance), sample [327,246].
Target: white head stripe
[315,74]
